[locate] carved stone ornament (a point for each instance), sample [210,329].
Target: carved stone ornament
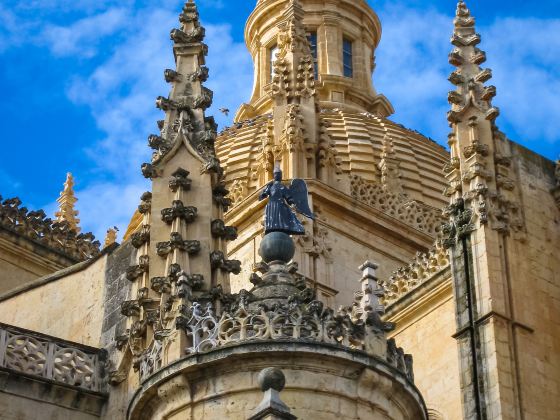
[140,238]
[219,261]
[59,236]
[179,211]
[407,278]
[177,242]
[180,179]
[194,36]
[219,195]
[161,285]
[135,271]
[145,206]
[460,225]
[51,359]
[201,75]
[418,215]
[220,230]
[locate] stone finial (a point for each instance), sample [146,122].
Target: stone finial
[67,200]
[111,237]
[272,382]
[371,290]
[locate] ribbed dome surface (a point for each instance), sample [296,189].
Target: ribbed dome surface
[360,140]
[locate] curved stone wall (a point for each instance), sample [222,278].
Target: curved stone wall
[322,382]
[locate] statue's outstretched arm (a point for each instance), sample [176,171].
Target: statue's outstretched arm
[265,193]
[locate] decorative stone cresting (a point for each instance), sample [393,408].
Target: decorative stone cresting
[281,307]
[52,359]
[418,215]
[408,278]
[58,236]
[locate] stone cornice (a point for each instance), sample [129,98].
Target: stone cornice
[23,247]
[420,300]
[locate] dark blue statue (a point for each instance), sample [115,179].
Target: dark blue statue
[279,216]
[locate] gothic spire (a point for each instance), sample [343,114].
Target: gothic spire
[67,200]
[181,248]
[469,78]
[188,100]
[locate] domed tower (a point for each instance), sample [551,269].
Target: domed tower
[375,185]
[342,35]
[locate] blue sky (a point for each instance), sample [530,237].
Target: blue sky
[79,79]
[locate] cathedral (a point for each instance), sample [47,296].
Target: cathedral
[424,285]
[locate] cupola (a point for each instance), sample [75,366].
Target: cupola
[343,36]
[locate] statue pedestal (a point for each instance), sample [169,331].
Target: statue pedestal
[278,283]
[277,246]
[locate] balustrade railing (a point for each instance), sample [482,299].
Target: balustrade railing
[54,359]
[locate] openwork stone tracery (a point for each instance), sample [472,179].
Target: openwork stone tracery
[418,215]
[281,307]
[423,268]
[48,358]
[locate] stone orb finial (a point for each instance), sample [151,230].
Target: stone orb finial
[271,378]
[277,246]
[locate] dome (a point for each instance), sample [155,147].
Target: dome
[364,144]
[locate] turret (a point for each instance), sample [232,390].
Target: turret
[342,37]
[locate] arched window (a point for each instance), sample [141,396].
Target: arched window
[347,58]
[272,51]
[312,37]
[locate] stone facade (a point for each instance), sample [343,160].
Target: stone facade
[190,313]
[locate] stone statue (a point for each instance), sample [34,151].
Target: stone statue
[279,216]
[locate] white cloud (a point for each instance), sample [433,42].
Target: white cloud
[82,37]
[412,71]
[524,59]
[104,205]
[121,94]
[12,29]
[412,67]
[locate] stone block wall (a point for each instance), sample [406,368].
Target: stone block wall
[425,329]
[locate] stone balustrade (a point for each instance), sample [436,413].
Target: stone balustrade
[51,358]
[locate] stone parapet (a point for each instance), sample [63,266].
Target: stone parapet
[55,360]
[421,270]
[57,236]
